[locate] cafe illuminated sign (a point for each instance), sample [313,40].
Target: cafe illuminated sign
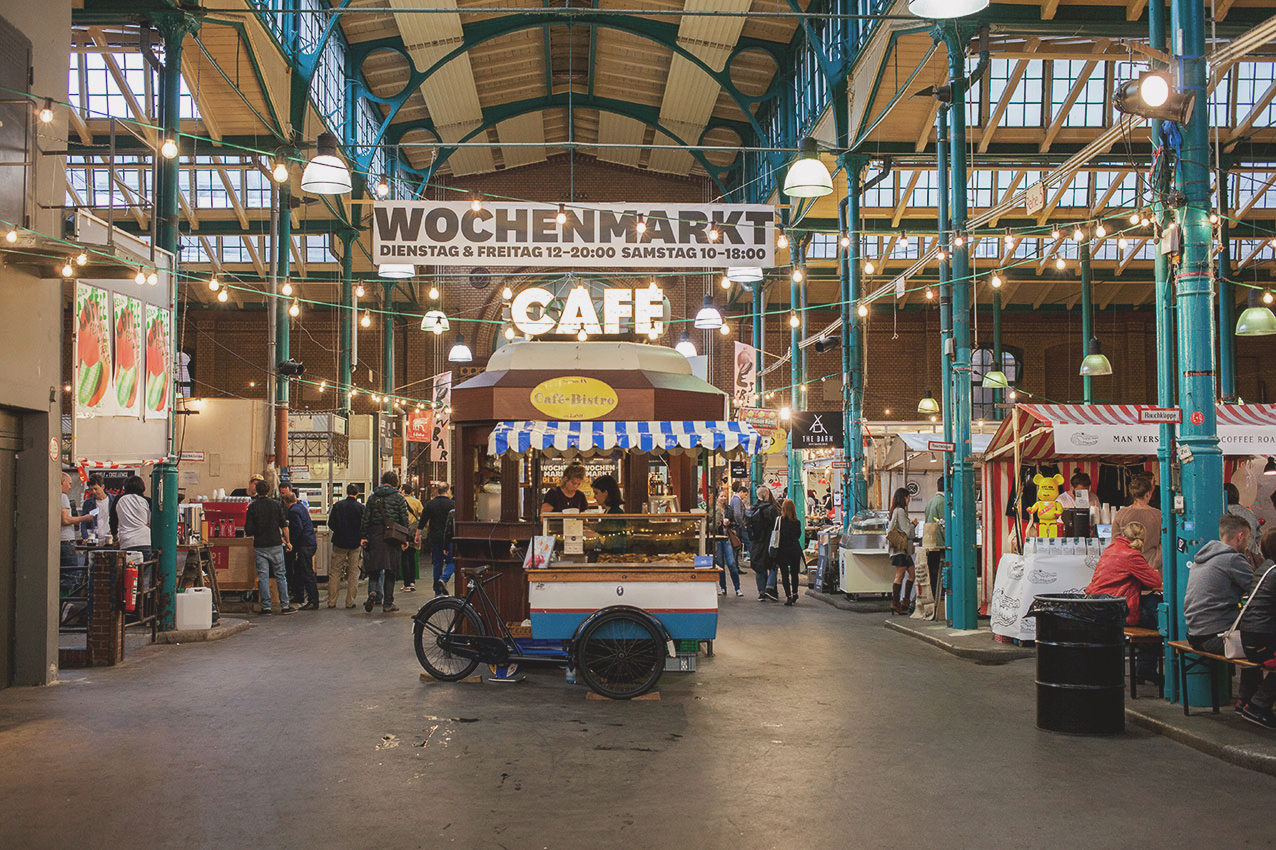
[574,398]
[644,308]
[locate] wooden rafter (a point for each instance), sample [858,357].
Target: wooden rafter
[1049,254]
[250,245]
[1048,210]
[149,133]
[1016,76]
[1084,77]
[1014,183]
[235,202]
[1110,293]
[1100,204]
[928,124]
[1258,246]
[904,196]
[1134,252]
[208,117]
[1260,106]
[1043,295]
[1134,9]
[1254,199]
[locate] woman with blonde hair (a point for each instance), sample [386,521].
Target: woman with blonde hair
[1123,571]
[567,495]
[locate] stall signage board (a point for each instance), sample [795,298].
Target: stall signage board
[420,426]
[529,235]
[574,398]
[1076,439]
[940,446]
[1158,415]
[645,307]
[758,416]
[816,429]
[841,464]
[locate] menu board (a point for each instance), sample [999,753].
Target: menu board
[127,379]
[92,352]
[158,376]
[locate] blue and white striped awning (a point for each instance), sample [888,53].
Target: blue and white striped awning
[589,438]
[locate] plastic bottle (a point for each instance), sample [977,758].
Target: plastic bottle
[571,675]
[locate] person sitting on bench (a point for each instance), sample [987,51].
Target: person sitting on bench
[1220,575]
[1123,571]
[1258,636]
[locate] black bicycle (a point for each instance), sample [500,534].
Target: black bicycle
[619,650]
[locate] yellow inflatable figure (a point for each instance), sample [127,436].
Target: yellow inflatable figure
[1047,507]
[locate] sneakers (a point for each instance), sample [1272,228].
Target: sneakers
[722,591]
[390,609]
[739,592]
[408,588]
[310,606]
[1261,716]
[370,602]
[265,611]
[287,609]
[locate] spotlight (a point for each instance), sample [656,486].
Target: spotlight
[1151,96]
[928,404]
[460,352]
[1095,362]
[708,318]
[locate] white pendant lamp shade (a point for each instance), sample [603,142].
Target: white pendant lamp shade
[685,346]
[745,275]
[944,9]
[435,320]
[326,174]
[460,352]
[396,271]
[808,177]
[708,318]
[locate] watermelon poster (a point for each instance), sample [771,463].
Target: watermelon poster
[158,365]
[127,384]
[92,352]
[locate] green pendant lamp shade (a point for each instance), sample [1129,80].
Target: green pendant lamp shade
[1256,319]
[1095,362]
[995,380]
[928,405]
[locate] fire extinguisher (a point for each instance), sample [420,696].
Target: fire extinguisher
[130,587]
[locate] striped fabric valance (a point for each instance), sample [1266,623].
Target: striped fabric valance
[733,439]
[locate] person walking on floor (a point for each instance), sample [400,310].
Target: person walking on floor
[761,519]
[788,557]
[436,514]
[381,557]
[722,529]
[739,496]
[409,560]
[301,533]
[1258,636]
[928,590]
[345,521]
[899,544]
[268,528]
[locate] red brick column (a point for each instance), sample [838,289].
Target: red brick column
[106,618]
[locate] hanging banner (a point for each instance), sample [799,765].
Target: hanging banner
[128,355]
[746,358]
[421,426]
[1135,439]
[616,236]
[440,438]
[92,352]
[158,377]
[816,429]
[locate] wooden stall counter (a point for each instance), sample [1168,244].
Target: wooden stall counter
[683,599]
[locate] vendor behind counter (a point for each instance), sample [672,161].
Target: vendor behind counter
[567,495]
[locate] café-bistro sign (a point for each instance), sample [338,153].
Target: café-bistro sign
[574,398]
[644,308]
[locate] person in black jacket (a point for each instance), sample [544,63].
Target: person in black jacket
[268,528]
[381,558]
[1258,636]
[345,521]
[760,518]
[788,558]
[435,517]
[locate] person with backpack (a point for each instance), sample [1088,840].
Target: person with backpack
[385,508]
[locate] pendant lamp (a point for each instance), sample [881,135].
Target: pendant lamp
[436,321]
[708,318]
[396,271]
[928,404]
[995,380]
[1270,469]
[1256,320]
[745,275]
[685,346]
[1095,362]
[808,177]
[945,9]
[326,174]
[460,352]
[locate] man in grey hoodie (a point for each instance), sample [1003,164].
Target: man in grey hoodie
[1220,576]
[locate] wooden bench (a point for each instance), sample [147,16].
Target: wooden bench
[1138,637]
[1188,658]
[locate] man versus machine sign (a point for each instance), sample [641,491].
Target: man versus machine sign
[606,235]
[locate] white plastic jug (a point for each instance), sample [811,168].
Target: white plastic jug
[195,609]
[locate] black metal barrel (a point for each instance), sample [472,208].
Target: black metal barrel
[1080,663]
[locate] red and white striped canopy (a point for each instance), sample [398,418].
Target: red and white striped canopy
[1114,431]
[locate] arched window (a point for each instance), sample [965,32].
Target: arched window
[982,401]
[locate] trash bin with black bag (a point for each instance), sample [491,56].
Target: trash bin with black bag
[1080,663]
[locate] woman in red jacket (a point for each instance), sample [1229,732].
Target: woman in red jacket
[1123,571]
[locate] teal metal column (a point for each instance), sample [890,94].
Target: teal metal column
[1087,316]
[346,319]
[854,484]
[999,394]
[795,378]
[759,344]
[1226,296]
[1202,472]
[945,344]
[387,345]
[282,328]
[173,28]
[965,602]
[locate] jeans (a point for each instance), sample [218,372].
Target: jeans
[725,558]
[345,562]
[1256,688]
[1145,661]
[766,580]
[270,562]
[304,572]
[439,555]
[381,587]
[68,556]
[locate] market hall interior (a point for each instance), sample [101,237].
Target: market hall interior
[635,316]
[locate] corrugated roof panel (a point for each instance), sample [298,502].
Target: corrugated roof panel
[616,129]
[524,128]
[689,96]
[451,95]
[427,29]
[668,160]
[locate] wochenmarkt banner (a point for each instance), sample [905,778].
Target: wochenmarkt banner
[638,236]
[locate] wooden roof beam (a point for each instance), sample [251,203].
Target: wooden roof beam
[1044,215]
[923,138]
[1016,76]
[902,201]
[250,245]
[1046,257]
[1043,295]
[149,133]
[233,193]
[1125,261]
[1254,199]
[1110,293]
[1260,106]
[1057,123]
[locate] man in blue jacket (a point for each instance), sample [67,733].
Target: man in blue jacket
[344,521]
[301,531]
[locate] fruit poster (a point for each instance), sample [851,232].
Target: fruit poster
[128,355]
[92,352]
[158,376]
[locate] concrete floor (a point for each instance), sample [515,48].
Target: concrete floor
[811,728]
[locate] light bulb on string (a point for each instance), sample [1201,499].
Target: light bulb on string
[140,277]
[1213,218]
[323,385]
[152,279]
[169,149]
[280,172]
[1100,231]
[434,293]
[81,258]
[358,291]
[845,241]
[1123,243]
[46,111]
[582,336]
[383,188]
[996,281]
[1060,264]
[11,236]
[1145,221]
[286,289]
[366,320]
[1010,240]
[652,333]
[1135,217]
[794,321]
[67,270]
[214,284]
[1268,298]
[713,233]
[869,268]
[561,218]
[294,310]
[930,294]
[942,255]
[509,332]
[725,330]
[641,226]
[726,283]
[797,276]
[1055,233]
[862,311]
[223,296]
[507,293]
[1078,234]
[476,204]
[782,241]
[958,241]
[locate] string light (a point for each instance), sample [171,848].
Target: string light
[996,281]
[358,291]
[507,293]
[11,236]
[280,172]
[152,279]
[1078,234]
[223,296]
[869,268]
[1123,243]
[794,321]
[1268,298]
[561,218]
[1059,263]
[582,336]
[941,255]
[434,293]
[958,241]
[81,259]
[1100,231]
[46,111]
[652,333]
[509,332]
[642,223]
[168,149]
[1135,218]
[725,330]
[383,188]
[782,241]
[140,277]
[67,270]
[323,385]
[1145,221]
[214,284]
[294,310]
[930,294]
[476,204]
[366,321]
[1055,233]
[286,289]
[845,241]
[1213,218]
[797,275]
[726,282]
[713,233]
[862,311]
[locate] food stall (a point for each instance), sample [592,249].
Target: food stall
[636,405]
[1108,443]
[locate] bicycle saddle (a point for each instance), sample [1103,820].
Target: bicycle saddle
[475,572]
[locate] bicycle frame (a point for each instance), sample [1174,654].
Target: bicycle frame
[501,646]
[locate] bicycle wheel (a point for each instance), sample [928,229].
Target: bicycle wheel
[439,617]
[621,655]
